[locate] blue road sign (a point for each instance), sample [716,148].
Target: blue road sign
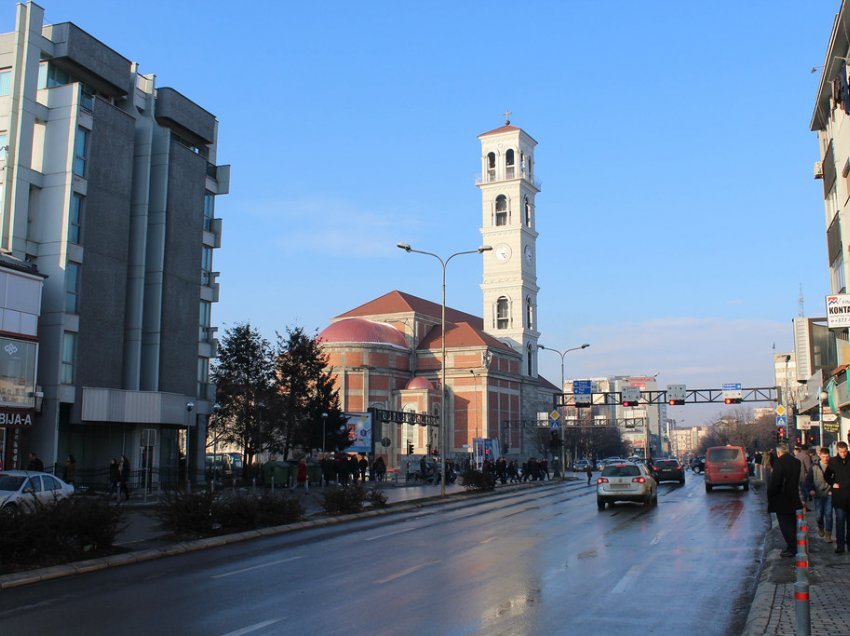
[555,425]
[782,420]
[582,391]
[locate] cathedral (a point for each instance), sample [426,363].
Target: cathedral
[387,353]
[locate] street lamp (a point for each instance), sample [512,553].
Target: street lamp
[563,406]
[324,422]
[189,407]
[443,423]
[824,396]
[215,408]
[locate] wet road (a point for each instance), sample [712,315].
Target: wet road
[531,562]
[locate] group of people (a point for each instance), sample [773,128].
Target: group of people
[344,468]
[514,472]
[119,477]
[796,479]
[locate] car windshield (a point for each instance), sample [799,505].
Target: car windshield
[10,483]
[724,454]
[621,470]
[666,463]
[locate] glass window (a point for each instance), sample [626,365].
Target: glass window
[206,265]
[491,166]
[501,210]
[206,311]
[529,313]
[527,213]
[75,219]
[80,150]
[502,316]
[69,348]
[5,82]
[203,376]
[49,76]
[33,484]
[72,287]
[209,211]
[509,164]
[621,470]
[17,371]
[530,360]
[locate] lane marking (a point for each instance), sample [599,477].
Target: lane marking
[253,628]
[390,534]
[255,567]
[487,540]
[627,579]
[411,570]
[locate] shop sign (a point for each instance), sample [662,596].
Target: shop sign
[15,418]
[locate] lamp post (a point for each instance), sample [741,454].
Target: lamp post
[563,407]
[823,397]
[443,423]
[189,408]
[324,423]
[215,408]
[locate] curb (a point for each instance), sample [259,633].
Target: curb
[18,579]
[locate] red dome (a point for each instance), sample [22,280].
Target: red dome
[419,383]
[361,331]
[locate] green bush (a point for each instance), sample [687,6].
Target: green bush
[344,499]
[186,513]
[71,529]
[235,512]
[476,480]
[376,497]
[278,509]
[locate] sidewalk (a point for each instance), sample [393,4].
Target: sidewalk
[773,611]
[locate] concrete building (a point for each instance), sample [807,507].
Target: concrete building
[387,353]
[108,186]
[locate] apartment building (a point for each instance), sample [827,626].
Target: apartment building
[107,187]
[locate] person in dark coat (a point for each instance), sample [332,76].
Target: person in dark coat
[379,468]
[363,466]
[114,476]
[35,463]
[588,470]
[124,477]
[783,496]
[838,476]
[69,472]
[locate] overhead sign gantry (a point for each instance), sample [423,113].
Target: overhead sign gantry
[674,395]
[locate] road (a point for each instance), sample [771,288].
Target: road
[542,561]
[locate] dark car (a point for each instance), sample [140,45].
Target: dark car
[668,470]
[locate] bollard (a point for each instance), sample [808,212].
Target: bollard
[802,609]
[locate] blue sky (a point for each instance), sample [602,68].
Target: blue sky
[678,217]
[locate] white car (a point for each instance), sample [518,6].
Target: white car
[22,489]
[625,482]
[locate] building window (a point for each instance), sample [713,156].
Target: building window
[72,287]
[203,377]
[75,219]
[49,76]
[527,206]
[206,266]
[209,211]
[491,166]
[529,313]
[205,317]
[80,149]
[501,210]
[530,353]
[5,82]
[839,283]
[509,164]
[17,372]
[69,350]
[502,313]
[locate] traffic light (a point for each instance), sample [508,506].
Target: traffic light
[409,448]
[732,400]
[630,396]
[780,434]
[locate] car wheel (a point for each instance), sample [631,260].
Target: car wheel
[746,486]
[682,481]
[600,503]
[707,488]
[648,500]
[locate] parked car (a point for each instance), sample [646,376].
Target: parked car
[668,470]
[625,482]
[580,465]
[218,466]
[726,466]
[697,464]
[25,489]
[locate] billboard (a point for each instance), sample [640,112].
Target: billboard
[359,433]
[838,311]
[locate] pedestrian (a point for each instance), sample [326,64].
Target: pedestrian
[502,470]
[513,472]
[327,468]
[588,470]
[353,469]
[379,468]
[301,475]
[342,469]
[783,497]
[801,452]
[818,488]
[69,472]
[363,466]
[35,463]
[543,467]
[114,477]
[838,475]
[124,477]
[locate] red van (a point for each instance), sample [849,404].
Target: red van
[726,466]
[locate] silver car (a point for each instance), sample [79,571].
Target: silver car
[625,482]
[25,489]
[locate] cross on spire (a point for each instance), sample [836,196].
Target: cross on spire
[507,115]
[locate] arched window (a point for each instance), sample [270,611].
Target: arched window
[527,205]
[509,164]
[530,361]
[503,316]
[491,166]
[501,210]
[529,313]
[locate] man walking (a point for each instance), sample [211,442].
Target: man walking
[783,497]
[818,488]
[838,475]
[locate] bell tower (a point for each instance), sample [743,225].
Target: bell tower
[509,285]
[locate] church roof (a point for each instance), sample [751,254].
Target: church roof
[461,334]
[397,302]
[500,130]
[545,384]
[361,331]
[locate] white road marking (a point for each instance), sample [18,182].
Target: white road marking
[627,579]
[389,534]
[410,570]
[255,567]
[253,628]
[658,537]
[487,540]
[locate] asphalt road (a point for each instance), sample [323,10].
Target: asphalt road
[542,561]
